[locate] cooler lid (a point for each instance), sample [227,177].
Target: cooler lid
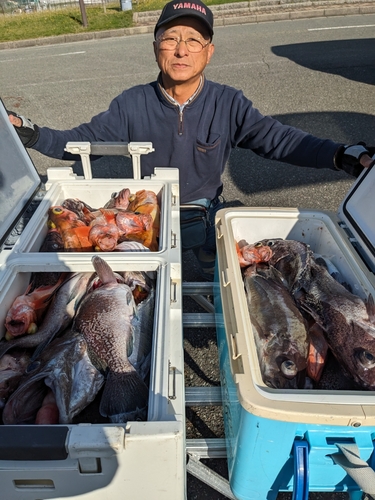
[358,212]
[19,180]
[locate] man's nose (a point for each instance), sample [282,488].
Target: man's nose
[181,48]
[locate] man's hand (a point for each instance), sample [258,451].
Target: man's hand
[353,159]
[27,131]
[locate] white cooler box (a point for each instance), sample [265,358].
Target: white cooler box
[263,424]
[88,461]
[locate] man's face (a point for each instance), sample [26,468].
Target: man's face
[179,65]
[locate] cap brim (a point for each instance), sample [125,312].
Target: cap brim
[172,18]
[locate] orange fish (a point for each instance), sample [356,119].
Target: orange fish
[27,309]
[253,254]
[76,239]
[62,218]
[104,237]
[146,202]
[318,349]
[136,227]
[74,232]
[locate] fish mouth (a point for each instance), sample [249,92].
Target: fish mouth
[17,327]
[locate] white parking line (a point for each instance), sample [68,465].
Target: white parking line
[342,27]
[44,57]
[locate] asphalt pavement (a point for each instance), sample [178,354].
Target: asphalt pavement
[282,78]
[224,15]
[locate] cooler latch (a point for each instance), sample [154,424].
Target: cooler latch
[91,441]
[131,149]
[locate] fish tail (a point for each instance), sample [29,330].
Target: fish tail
[124,394]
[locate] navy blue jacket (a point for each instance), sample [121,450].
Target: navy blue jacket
[197,141]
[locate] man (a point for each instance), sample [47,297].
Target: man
[194,124]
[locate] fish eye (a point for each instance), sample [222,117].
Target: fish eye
[57,210]
[33,366]
[288,368]
[114,195]
[366,359]
[270,243]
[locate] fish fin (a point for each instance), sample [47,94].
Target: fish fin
[103,270]
[124,393]
[39,349]
[370,307]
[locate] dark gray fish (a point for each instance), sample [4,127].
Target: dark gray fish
[347,321]
[53,241]
[57,318]
[292,259]
[332,269]
[64,367]
[143,324]
[105,318]
[279,328]
[11,370]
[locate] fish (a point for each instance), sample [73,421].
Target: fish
[58,316]
[332,269]
[80,208]
[52,242]
[40,279]
[347,320]
[119,200]
[146,202]
[292,259]
[318,352]
[140,284]
[77,239]
[253,253]
[61,218]
[105,317]
[136,227]
[11,370]
[28,309]
[130,246]
[74,232]
[143,323]
[65,368]
[280,330]
[48,413]
[104,237]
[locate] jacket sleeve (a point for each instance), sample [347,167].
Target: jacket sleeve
[269,138]
[107,126]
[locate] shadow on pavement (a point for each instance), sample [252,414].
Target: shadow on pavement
[351,59]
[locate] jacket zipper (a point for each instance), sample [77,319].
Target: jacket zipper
[180,124]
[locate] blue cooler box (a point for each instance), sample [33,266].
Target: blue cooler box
[283,439]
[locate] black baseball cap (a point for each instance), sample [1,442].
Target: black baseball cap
[175,9]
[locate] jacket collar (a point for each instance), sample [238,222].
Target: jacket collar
[170,99]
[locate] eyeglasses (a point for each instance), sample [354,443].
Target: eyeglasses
[194,45]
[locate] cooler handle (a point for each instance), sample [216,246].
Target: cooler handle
[133,149]
[301,470]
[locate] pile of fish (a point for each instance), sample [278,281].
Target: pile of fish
[127,222]
[301,312]
[85,337]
